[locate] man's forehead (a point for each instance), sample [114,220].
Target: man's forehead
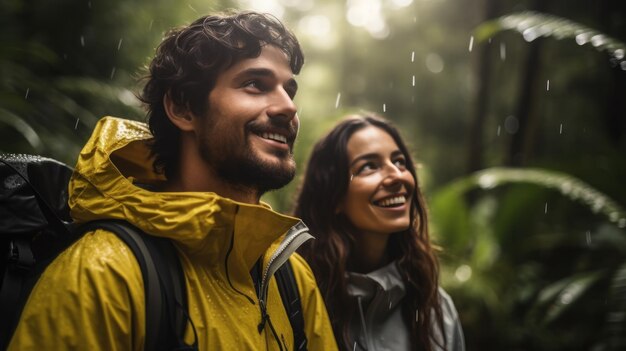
[271,61]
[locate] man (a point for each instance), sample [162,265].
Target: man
[222,123]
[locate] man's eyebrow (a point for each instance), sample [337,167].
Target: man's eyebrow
[257,72]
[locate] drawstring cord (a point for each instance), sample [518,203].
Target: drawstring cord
[361,314]
[266,318]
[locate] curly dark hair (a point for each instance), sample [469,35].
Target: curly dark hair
[188,61]
[330,255]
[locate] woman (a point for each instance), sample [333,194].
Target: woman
[372,256]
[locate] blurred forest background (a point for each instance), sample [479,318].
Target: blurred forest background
[516,111]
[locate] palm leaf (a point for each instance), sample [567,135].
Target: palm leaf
[565,293]
[615,332]
[532,25]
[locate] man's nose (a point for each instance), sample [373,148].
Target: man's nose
[282,106]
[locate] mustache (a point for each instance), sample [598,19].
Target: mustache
[288,129]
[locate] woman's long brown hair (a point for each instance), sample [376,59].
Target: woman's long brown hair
[325,184]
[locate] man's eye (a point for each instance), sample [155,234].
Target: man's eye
[254,84]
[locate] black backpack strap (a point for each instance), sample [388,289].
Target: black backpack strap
[290,295]
[164,285]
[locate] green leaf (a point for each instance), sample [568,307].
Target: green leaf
[532,25]
[21,127]
[569,291]
[569,186]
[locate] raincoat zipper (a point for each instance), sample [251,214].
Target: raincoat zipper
[296,236]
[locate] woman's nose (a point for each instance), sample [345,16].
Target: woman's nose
[392,174]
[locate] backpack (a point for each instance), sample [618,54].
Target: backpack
[35,226]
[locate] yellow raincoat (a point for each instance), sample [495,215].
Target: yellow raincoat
[92,296]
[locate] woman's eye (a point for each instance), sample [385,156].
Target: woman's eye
[366,168]
[400,163]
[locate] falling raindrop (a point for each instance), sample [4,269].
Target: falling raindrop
[561,129]
[89,4]
[548,85]
[389,304]
[417,316]
[112,72]
[354,346]
[384,107]
[151,23]
[471,43]
[192,9]
[82,41]
[337,101]
[502,51]
[27,91]
[498,132]
[412,56]
[413,81]
[588,237]
[545,209]
[119,44]
[76,125]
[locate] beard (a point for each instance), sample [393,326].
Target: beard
[245,169]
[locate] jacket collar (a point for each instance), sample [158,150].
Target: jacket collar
[385,282]
[105,185]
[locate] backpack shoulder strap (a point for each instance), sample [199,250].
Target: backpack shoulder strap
[290,295]
[164,284]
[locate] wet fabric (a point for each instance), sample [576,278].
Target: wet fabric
[379,325]
[91,297]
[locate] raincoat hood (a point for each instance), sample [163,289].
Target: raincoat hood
[94,290]
[112,179]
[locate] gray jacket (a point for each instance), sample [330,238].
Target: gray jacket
[379,324]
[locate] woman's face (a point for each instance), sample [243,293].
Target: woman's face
[379,196]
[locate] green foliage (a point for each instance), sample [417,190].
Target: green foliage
[532,276]
[533,25]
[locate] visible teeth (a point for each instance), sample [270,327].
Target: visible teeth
[396,200]
[276,137]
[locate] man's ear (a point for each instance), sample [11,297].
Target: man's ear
[179,115]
